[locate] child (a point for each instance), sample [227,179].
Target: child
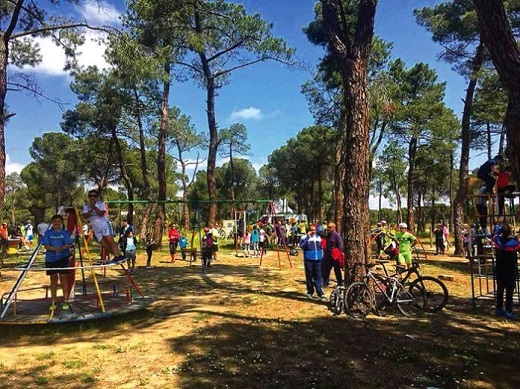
[150,243]
[247,244]
[130,245]
[207,248]
[57,242]
[255,240]
[183,243]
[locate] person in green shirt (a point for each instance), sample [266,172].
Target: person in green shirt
[406,240]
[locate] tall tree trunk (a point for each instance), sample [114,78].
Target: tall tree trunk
[144,168]
[459,203]
[4,58]
[412,152]
[497,36]
[124,176]
[212,150]
[4,52]
[160,212]
[351,55]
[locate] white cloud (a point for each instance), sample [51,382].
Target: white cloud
[53,58]
[100,13]
[250,113]
[12,167]
[90,53]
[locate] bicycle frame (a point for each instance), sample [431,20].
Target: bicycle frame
[387,285]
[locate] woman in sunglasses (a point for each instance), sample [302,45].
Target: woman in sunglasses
[95,212]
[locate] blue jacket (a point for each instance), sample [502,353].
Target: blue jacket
[311,246]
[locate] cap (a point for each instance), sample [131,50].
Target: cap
[403,225]
[379,224]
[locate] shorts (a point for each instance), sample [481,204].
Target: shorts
[130,254]
[30,238]
[404,258]
[60,263]
[106,230]
[173,247]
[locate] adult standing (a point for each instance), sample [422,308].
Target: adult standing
[57,242]
[215,234]
[173,240]
[506,247]
[312,257]
[29,233]
[42,228]
[95,212]
[406,240]
[125,227]
[334,245]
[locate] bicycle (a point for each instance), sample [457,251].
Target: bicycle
[360,297]
[434,290]
[337,300]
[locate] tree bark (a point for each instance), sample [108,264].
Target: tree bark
[459,203]
[412,152]
[351,56]
[160,213]
[499,40]
[4,53]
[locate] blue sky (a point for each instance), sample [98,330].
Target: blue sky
[266,98]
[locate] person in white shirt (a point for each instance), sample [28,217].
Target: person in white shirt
[95,212]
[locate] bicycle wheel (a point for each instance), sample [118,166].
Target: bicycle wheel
[409,304]
[359,300]
[335,303]
[434,291]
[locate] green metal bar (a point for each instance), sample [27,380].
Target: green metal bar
[186,201]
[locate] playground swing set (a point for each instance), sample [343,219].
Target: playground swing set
[237,227]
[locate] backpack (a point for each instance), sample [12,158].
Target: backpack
[207,243]
[392,249]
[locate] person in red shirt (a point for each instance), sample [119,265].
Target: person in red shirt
[173,238]
[4,236]
[503,187]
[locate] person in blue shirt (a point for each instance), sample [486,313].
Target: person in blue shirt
[312,256]
[183,243]
[506,248]
[57,243]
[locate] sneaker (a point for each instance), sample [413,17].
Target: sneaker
[65,307]
[149,267]
[310,296]
[118,260]
[323,298]
[500,312]
[509,315]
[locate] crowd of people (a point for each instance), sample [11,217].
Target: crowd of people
[321,244]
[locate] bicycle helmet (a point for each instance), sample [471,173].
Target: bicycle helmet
[403,225]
